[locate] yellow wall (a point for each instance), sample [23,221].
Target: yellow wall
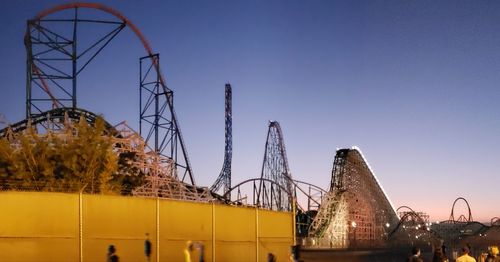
[56,226]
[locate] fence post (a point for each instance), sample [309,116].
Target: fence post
[80,225]
[294,222]
[213,232]
[257,234]
[157,229]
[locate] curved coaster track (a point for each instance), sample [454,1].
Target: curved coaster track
[57,54]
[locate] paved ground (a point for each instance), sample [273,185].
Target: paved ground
[357,256]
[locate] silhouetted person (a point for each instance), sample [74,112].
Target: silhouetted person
[469,246]
[187,251]
[112,257]
[201,249]
[295,253]
[492,254]
[147,248]
[415,255]
[439,255]
[465,257]
[190,247]
[271,257]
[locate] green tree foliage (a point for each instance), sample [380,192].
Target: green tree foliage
[81,157]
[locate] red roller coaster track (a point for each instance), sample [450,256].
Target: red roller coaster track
[105,9]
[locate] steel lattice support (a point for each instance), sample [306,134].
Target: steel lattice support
[54,59]
[224,179]
[275,168]
[57,54]
[158,123]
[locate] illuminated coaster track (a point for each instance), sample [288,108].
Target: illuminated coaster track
[356,211]
[413,229]
[57,55]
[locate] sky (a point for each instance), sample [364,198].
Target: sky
[413,84]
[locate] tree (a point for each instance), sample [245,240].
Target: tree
[80,157]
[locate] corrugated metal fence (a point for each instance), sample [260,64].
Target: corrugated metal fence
[38,226]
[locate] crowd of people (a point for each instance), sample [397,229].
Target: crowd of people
[491,255]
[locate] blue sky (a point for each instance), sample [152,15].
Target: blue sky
[412,83]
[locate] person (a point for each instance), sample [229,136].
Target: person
[492,254]
[415,255]
[190,247]
[295,253]
[147,248]
[439,255]
[271,257]
[112,257]
[465,257]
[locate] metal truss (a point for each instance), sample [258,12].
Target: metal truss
[159,170]
[275,168]
[413,229]
[356,212]
[57,54]
[314,194]
[275,189]
[55,59]
[161,179]
[305,216]
[158,122]
[241,189]
[224,179]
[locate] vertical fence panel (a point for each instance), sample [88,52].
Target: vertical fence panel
[234,233]
[38,227]
[182,221]
[275,234]
[120,221]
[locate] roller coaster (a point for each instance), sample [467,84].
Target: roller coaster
[355,212]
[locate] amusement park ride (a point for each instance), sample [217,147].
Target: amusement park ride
[355,212]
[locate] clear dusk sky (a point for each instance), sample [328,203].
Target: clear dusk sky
[414,84]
